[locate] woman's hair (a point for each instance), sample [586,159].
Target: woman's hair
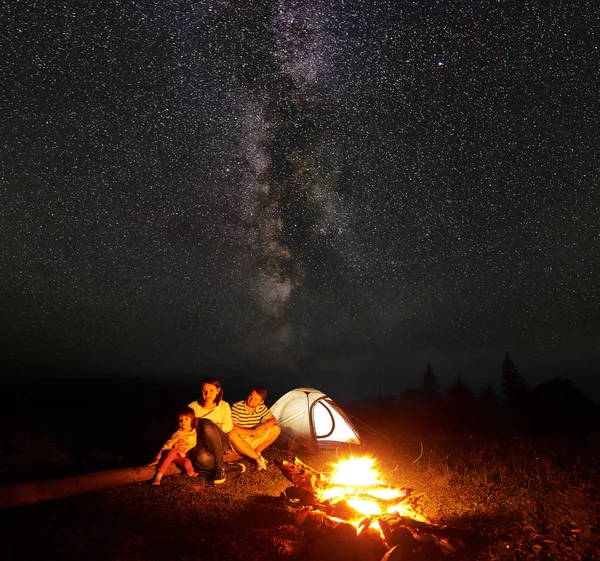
[188,412]
[212,382]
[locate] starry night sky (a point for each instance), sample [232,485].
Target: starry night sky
[301,192]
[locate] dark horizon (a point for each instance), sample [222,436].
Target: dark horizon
[480,375]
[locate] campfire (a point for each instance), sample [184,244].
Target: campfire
[351,513]
[357,482]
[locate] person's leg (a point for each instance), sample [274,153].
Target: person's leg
[272,433]
[241,446]
[167,458]
[216,441]
[186,465]
[201,458]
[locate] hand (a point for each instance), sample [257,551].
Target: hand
[153,462]
[259,431]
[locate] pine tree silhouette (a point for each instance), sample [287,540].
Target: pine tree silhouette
[514,385]
[489,400]
[430,383]
[461,393]
[489,409]
[516,392]
[460,405]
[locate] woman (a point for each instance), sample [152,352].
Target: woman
[214,422]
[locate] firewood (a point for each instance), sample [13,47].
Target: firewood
[298,496]
[317,521]
[394,554]
[369,545]
[339,544]
[431,548]
[341,509]
[303,476]
[301,516]
[403,537]
[424,527]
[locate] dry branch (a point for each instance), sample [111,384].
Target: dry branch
[303,476]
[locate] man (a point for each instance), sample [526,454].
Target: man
[256,426]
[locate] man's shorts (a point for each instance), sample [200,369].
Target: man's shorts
[256,441]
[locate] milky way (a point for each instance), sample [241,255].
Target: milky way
[313,189]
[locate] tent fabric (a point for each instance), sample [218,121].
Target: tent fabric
[309,421]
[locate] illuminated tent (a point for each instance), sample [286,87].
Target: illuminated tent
[309,421]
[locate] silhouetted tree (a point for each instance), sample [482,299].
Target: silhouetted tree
[489,400]
[412,398]
[460,406]
[514,385]
[489,409]
[413,413]
[430,383]
[560,407]
[516,393]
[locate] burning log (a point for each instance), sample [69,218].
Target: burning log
[299,497]
[423,527]
[303,476]
[342,520]
[370,545]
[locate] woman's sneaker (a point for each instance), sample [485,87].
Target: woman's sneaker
[261,464]
[220,475]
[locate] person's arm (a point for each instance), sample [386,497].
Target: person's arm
[267,423]
[235,417]
[227,423]
[191,440]
[243,431]
[166,446]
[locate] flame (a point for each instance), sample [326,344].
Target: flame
[356,471]
[357,481]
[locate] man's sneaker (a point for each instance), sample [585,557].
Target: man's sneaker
[220,475]
[261,464]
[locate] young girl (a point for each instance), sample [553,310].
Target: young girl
[176,448]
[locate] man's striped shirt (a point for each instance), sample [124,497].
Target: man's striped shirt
[242,418]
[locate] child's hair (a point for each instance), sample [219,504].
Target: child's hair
[212,382]
[189,412]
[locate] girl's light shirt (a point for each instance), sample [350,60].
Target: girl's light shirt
[182,441]
[219,414]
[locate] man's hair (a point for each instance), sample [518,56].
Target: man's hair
[260,391]
[212,382]
[189,412]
